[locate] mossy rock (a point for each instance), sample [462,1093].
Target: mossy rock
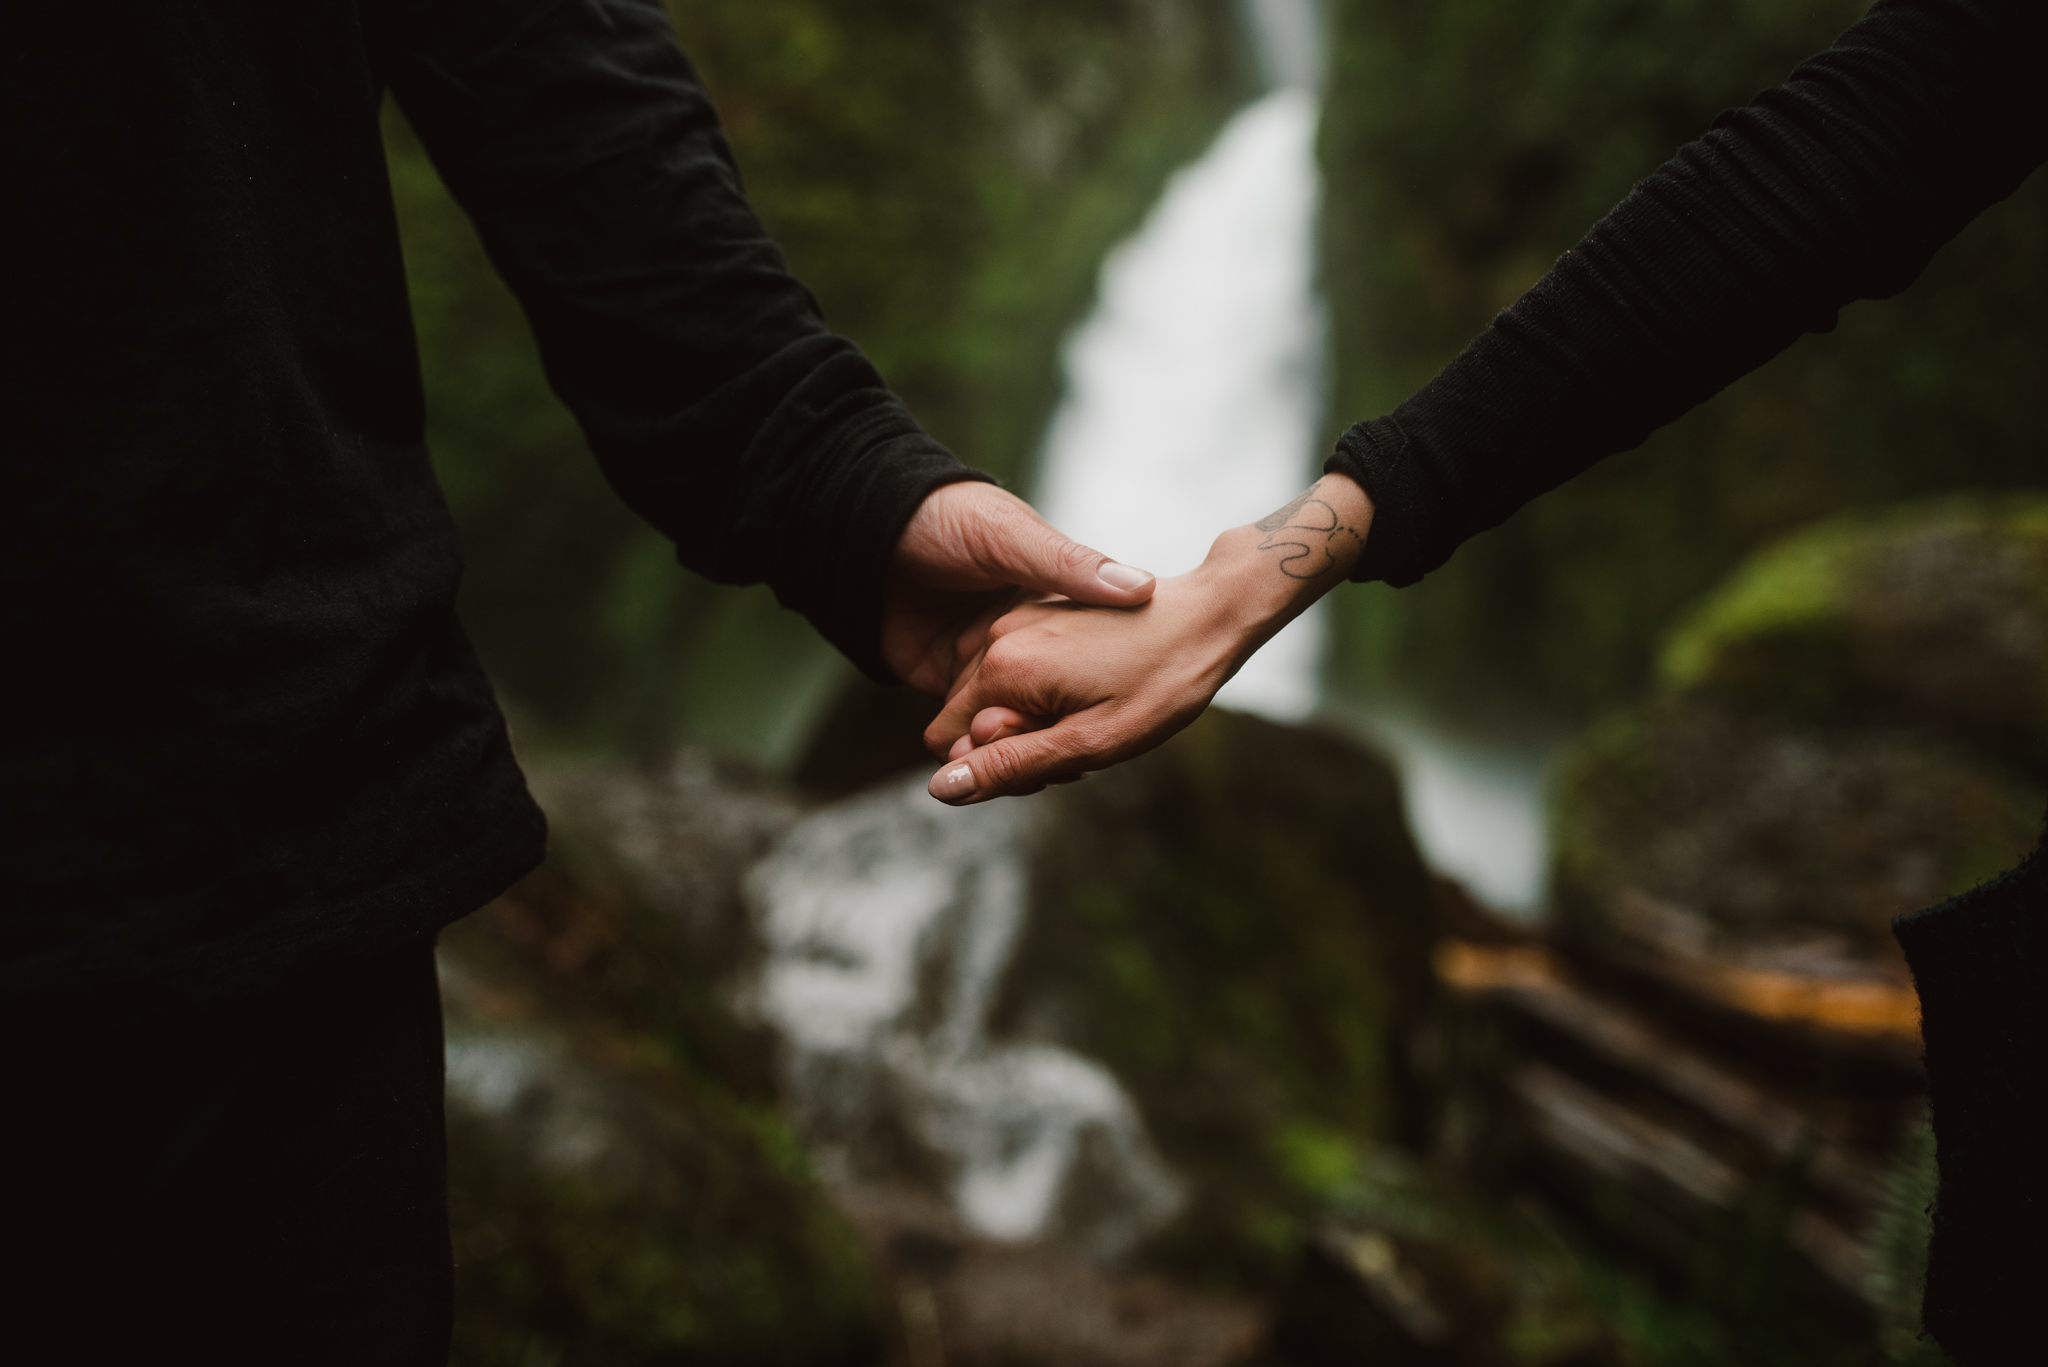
[622,1186]
[1935,614]
[1765,826]
[1238,926]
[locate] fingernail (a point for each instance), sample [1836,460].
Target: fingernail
[954,783]
[1125,577]
[961,747]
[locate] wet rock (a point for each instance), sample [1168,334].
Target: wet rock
[1848,730]
[968,1300]
[1684,821]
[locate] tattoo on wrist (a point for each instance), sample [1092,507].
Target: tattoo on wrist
[1310,534]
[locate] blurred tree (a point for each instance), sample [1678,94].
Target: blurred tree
[945,176]
[1466,144]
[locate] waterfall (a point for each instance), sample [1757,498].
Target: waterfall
[1194,404]
[1194,390]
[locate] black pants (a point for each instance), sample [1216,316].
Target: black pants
[256,1180]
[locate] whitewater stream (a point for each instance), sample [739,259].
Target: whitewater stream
[1193,404]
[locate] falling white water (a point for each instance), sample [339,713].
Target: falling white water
[889,921]
[1476,805]
[1194,391]
[1194,404]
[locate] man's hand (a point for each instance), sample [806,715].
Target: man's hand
[970,553]
[1062,689]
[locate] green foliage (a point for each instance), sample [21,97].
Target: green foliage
[1466,144]
[1898,1243]
[945,176]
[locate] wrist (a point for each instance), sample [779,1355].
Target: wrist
[1264,574]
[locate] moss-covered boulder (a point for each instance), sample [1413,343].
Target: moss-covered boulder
[1237,925]
[1933,615]
[1762,828]
[1850,728]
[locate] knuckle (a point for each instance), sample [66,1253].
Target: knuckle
[1007,659]
[1072,555]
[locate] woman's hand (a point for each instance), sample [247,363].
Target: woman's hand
[971,551]
[1061,689]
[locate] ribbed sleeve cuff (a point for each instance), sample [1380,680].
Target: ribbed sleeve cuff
[883,468]
[1375,453]
[1980,963]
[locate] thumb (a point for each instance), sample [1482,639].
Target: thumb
[1026,550]
[1016,765]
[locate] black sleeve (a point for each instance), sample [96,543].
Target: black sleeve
[582,144]
[1836,186]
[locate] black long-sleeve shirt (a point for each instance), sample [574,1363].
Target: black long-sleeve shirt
[246,728]
[1836,186]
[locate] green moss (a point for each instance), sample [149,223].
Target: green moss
[1317,1159]
[1933,612]
[1764,825]
[1466,143]
[1792,589]
[745,1266]
[945,177]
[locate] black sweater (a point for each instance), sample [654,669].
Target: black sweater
[247,729]
[1836,186]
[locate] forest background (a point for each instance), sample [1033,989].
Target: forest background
[946,177]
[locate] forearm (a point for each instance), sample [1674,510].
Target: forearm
[718,403]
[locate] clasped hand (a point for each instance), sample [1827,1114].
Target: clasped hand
[1056,661]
